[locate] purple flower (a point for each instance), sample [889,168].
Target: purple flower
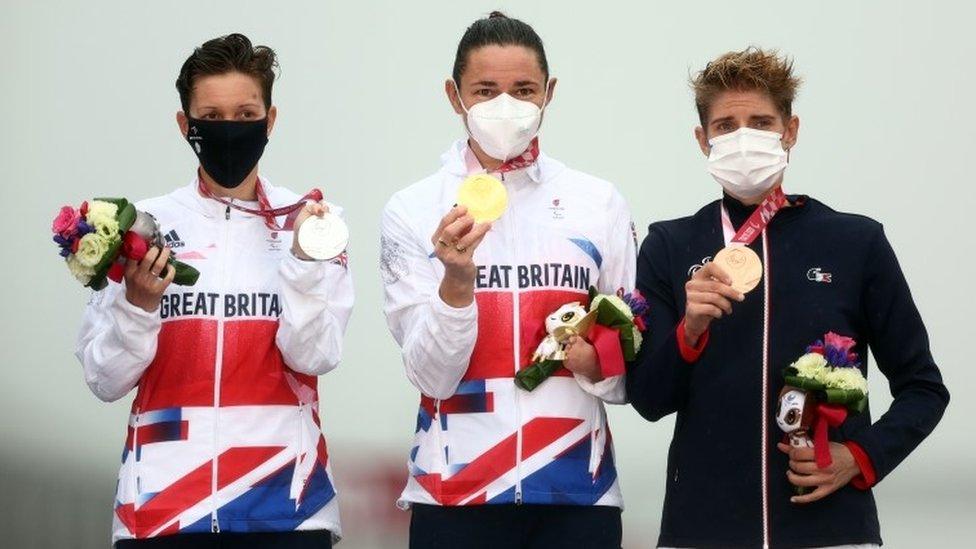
[636,302]
[84,228]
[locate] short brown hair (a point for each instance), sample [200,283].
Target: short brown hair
[750,69]
[231,53]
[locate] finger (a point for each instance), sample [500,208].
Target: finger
[477,242]
[715,287]
[705,309]
[713,299]
[147,261]
[452,216]
[783,447]
[712,270]
[804,467]
[453,232]
[808,481]
[315,208]
[131,267]
[160,264]
[474,236]
[802,454]
[164,282]
[821,492]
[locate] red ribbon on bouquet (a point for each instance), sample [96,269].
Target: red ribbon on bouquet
[606,342]
[828,415]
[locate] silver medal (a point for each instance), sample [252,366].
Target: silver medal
[323,237]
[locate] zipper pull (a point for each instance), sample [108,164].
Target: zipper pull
[518,498]
[214,527]
[227,213]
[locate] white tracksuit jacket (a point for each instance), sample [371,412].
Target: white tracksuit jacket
[224,433]
[480,439]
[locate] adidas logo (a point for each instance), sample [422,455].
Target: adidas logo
[173,240]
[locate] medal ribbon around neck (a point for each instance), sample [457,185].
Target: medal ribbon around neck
[264,206]
[757,222]
[521,161]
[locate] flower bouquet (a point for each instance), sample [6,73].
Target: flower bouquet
[822,387]
[97,238]
[612,323]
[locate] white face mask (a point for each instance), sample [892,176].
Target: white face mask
[503,126]
[747,162]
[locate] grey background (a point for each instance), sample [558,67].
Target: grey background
[88,109]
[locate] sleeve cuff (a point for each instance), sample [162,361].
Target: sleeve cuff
[468,312]
[688,353]
[868,477]
[301,274]
[610,389]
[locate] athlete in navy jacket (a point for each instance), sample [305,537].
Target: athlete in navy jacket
[715,355]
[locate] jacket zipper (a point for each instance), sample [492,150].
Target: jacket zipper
[135,457]
[765,392]
[218,368]
[517,346]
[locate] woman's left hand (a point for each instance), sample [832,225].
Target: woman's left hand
[581,359]
[311,208]
[804,472]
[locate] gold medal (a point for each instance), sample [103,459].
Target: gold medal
[742,265]
[484,197]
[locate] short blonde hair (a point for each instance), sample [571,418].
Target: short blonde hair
[750,69]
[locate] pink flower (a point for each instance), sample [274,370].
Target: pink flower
[66,223]
[839,342]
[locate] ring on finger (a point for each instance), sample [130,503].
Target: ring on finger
[442,243]
[461,249]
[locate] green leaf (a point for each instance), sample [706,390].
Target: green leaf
[126,217]
[531,377]
[185,274]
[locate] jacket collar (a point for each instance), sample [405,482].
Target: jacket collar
[453,161]
[739,212]
[189,196]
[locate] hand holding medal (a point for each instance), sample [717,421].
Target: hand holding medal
[735,270]
[320,235]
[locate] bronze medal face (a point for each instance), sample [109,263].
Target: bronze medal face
[742,265]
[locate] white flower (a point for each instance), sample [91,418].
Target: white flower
[91,249]
[82,273]
[811,366]
[101,216]
[615,301]
[849,379]
[638,338]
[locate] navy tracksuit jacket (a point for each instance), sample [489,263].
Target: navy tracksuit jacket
[726,484]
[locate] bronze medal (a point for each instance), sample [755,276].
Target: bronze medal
[742,265]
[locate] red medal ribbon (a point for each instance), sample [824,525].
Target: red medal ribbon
[828,415]
[757,222]
[521,161]
[264,206]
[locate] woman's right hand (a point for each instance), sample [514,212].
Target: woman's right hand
[143,285]
[454,241]
[710,297]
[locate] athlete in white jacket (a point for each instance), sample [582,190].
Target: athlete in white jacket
[224,434]
[466,302]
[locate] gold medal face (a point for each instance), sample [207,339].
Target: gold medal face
[742,265]
[484,196]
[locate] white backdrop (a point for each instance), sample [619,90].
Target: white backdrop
[88,109]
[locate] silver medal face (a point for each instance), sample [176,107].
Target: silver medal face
[323,237]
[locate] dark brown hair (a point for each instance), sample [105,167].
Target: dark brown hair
[749,69]
[500,30]
[231,53]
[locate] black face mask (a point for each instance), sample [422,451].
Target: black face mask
[228,149]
